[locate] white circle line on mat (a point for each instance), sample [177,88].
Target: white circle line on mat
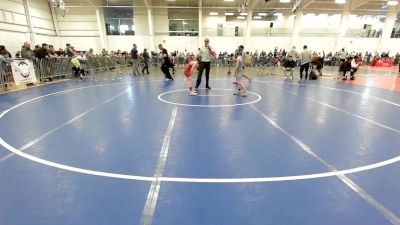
[207,106]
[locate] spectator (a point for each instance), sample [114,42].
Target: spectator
[42,53]
[305,58]
[76,66]
[69,50]
[289,65]
[345,66]
[51,52]
[60,52]
[89,54]
[4,52]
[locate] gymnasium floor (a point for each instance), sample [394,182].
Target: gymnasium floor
[140,150]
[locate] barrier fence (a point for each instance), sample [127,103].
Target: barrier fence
[6,78]
[115,67]
[48,69]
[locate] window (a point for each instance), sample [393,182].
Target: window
[119,21]
[183,23]
[182,27]
[396,28]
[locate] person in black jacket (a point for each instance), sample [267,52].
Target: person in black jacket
[146,59]
[166,63]
[289,65]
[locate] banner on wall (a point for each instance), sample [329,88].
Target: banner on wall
[23,71]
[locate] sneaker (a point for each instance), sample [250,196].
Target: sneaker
[208,87]
[234,82]
[344,78]
[192,93]
[237,93]
[243,94]
[352,78]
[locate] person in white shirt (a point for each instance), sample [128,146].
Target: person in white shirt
[305,58]
[354,67]
[207,54]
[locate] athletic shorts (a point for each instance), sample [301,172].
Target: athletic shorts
[239,74]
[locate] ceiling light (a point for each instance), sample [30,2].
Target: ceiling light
[229,0]
[257,17]
[213,14]
[284,1]
[323,14]
[229,14]
[392,2]
[340,1]
[278,14]
[241,17]
[243,14]
[262,14]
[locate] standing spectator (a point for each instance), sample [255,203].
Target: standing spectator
[69,50]
[135,60]
[146,59]
[4,51]
[89,54]
[4,54]
[305,58]
[60,52]
[294,54]
[342,56]
[51,52]
[166,63]
[35,50]
[207,54]
[26,52]
[173,62]
[42,52]
[104,52]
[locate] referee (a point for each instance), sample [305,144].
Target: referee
[207,54]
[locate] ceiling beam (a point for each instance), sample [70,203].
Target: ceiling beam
[357,3]
[91,2]
[306,3]
[146,3]
[252,4]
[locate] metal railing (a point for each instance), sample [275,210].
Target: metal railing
[6,78]
[107,67]
[50,68]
